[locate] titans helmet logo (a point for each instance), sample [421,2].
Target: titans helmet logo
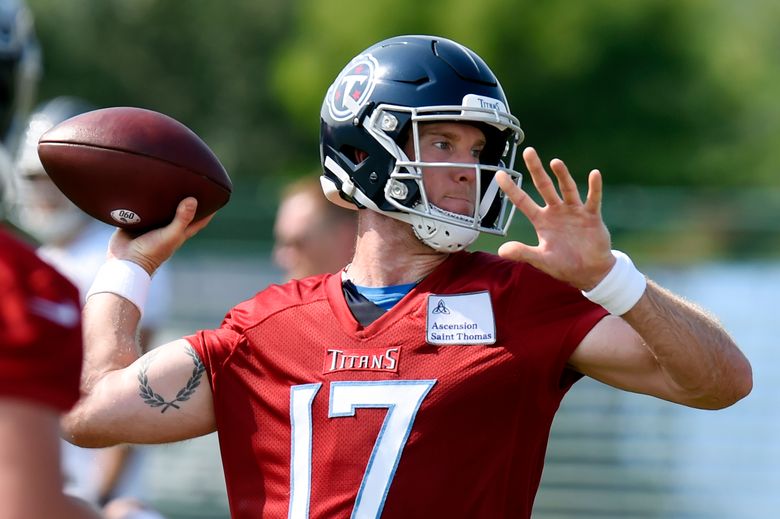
[352,88]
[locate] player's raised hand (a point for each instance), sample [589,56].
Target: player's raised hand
[574,243]
[151,249]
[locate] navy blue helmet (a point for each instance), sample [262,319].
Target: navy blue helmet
[376,105]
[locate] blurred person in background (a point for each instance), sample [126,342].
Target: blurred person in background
[40,332]
[74,243]
[421,380]
[20,66]
[311,235]
[40,362]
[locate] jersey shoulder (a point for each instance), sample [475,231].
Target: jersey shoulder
[215,347]
[40,328]
[274,299]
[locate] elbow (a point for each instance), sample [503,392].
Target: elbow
[743,383]
[731,389]
[78,430]
[746,380]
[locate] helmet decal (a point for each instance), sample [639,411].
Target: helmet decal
[352,88]
[476,101]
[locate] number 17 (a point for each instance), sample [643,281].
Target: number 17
[402,398]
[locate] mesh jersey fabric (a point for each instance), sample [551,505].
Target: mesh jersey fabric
[40,329]
[284,364]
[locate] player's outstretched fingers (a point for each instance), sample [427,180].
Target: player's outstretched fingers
[519,198]
[566,183]
[595,192]
[542,181]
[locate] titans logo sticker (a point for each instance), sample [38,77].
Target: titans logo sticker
[352,88]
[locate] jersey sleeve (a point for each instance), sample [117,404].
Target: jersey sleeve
[40,330]
[215,347]
[556,308]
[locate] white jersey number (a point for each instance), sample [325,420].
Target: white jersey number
[402,398]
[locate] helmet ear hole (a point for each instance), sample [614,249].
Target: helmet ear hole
[360,156]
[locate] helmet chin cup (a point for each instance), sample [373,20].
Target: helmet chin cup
[442,236]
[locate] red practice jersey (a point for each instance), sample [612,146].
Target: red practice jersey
[40,329]
[442,407]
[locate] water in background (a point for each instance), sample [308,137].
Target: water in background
[611,454]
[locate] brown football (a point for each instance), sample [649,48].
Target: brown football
[130,167]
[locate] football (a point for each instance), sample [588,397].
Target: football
[130,167]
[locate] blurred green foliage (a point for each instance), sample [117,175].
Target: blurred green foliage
[652,92]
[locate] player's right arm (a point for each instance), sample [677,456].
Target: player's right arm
[159,397]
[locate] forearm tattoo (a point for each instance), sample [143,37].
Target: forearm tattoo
[155,399]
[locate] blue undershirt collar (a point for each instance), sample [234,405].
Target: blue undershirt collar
[385,297]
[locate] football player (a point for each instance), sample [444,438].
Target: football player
[40,337]
[421,380]
[40,362]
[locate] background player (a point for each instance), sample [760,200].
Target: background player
[40,359]
[20,66]
[311,235]
[329,404]
[40,333]
[74,243]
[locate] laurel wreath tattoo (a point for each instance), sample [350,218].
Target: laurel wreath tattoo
[155,399]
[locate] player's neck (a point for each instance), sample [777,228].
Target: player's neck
[387,253]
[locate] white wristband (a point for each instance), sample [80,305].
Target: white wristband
[621,289]
[123,278]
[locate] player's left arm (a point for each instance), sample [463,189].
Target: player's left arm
[662,346]
[669,348]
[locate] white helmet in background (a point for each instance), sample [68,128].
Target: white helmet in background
[40,208]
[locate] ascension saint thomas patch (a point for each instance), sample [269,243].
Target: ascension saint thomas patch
[465,319]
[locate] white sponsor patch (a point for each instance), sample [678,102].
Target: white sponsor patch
[460,319]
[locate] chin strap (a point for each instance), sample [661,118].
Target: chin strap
[441,236]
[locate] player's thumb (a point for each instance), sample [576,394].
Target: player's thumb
[185,211]
[516,251]
[173,235]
